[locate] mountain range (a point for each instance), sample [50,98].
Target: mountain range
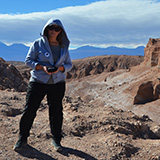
[18,51]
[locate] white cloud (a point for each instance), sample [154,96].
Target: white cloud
[103,23]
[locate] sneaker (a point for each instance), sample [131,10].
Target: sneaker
[20,144]
[57,146]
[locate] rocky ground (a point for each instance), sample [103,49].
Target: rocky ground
[101,120]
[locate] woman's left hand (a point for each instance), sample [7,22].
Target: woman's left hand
[61,68]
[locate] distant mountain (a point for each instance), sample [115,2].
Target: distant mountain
[14,52]
[18,51]
[89,51]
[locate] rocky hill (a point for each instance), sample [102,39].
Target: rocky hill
[112,115]
[97,65]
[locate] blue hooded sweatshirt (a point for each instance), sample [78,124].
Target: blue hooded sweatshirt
[40,53]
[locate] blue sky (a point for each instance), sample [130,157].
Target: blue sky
[28,6]
[123,23]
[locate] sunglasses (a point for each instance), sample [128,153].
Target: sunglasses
[57,29]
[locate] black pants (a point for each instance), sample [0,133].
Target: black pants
[35,94]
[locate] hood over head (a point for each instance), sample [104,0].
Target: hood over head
[50,22]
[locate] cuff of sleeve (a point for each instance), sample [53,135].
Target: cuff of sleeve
[35,65]
[64,69]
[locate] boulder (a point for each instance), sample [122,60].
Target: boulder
[144,93]
[147,92]
[10,77]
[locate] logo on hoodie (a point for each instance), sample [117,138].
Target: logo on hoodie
[47,54]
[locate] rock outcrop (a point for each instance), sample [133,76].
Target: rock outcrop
[150,90]
[97,65]
[10,77]
[147,92]
[152,52]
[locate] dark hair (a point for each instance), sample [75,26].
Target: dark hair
[59,37]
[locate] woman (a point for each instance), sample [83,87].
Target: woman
[49,58]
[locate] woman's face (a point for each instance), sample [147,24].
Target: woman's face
[54,31]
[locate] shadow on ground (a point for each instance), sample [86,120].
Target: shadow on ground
[33,153]
[67,151]
[30,152]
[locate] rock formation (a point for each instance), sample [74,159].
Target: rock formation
[152,52]
[97,65]
[150,90]
[10,77]
[147,92]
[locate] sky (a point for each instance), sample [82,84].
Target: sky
[121,23]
